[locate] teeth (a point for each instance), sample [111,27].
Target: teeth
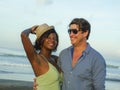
[51,44]
[72,38]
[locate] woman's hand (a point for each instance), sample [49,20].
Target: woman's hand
[33,29]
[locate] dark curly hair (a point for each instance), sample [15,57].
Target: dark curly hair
[39,42]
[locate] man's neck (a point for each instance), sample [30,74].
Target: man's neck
[80,47]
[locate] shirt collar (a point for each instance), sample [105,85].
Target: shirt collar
[87,49]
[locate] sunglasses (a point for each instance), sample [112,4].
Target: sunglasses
[74,31]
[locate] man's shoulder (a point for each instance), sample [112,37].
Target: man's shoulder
[92,50]
[67,49]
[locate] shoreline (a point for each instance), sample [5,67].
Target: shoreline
[6,84]
[15,85]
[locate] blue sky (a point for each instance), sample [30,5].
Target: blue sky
[104,16]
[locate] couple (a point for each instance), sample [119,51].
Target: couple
[82,67]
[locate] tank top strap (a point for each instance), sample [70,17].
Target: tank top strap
[44,57]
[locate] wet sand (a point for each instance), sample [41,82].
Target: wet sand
[15,85]
[26,85]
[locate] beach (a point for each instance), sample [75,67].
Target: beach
[16,72]
[15,85]
[28,85]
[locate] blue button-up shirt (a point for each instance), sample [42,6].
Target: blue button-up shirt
[88,73]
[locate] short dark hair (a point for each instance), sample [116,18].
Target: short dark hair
[83,24]
[39,42]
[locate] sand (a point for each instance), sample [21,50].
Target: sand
[15,85]
[26,85]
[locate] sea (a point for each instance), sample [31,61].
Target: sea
[14,65]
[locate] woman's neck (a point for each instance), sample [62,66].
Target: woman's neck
[46,53]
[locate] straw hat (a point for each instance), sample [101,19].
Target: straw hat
[41,29]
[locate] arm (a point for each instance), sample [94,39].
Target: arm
[28,47]
[99,74]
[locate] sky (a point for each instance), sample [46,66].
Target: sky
[103,15]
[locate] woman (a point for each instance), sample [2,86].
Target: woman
[43,63]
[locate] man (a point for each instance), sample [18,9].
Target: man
[83,67]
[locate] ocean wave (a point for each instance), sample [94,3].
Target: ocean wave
[112,79]
[113,66]
[113,76]
[117,75]
[11,55]
[14,64]
[13,72]
[11,52]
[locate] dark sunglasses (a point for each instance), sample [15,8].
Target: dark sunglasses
[74,31]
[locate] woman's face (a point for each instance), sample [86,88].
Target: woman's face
[50,42]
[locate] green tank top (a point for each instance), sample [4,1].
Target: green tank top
[50,80]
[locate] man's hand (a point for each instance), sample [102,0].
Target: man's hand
[35,84]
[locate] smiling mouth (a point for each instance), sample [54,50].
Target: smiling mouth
[51,44]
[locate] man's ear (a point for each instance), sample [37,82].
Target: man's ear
[86,33]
